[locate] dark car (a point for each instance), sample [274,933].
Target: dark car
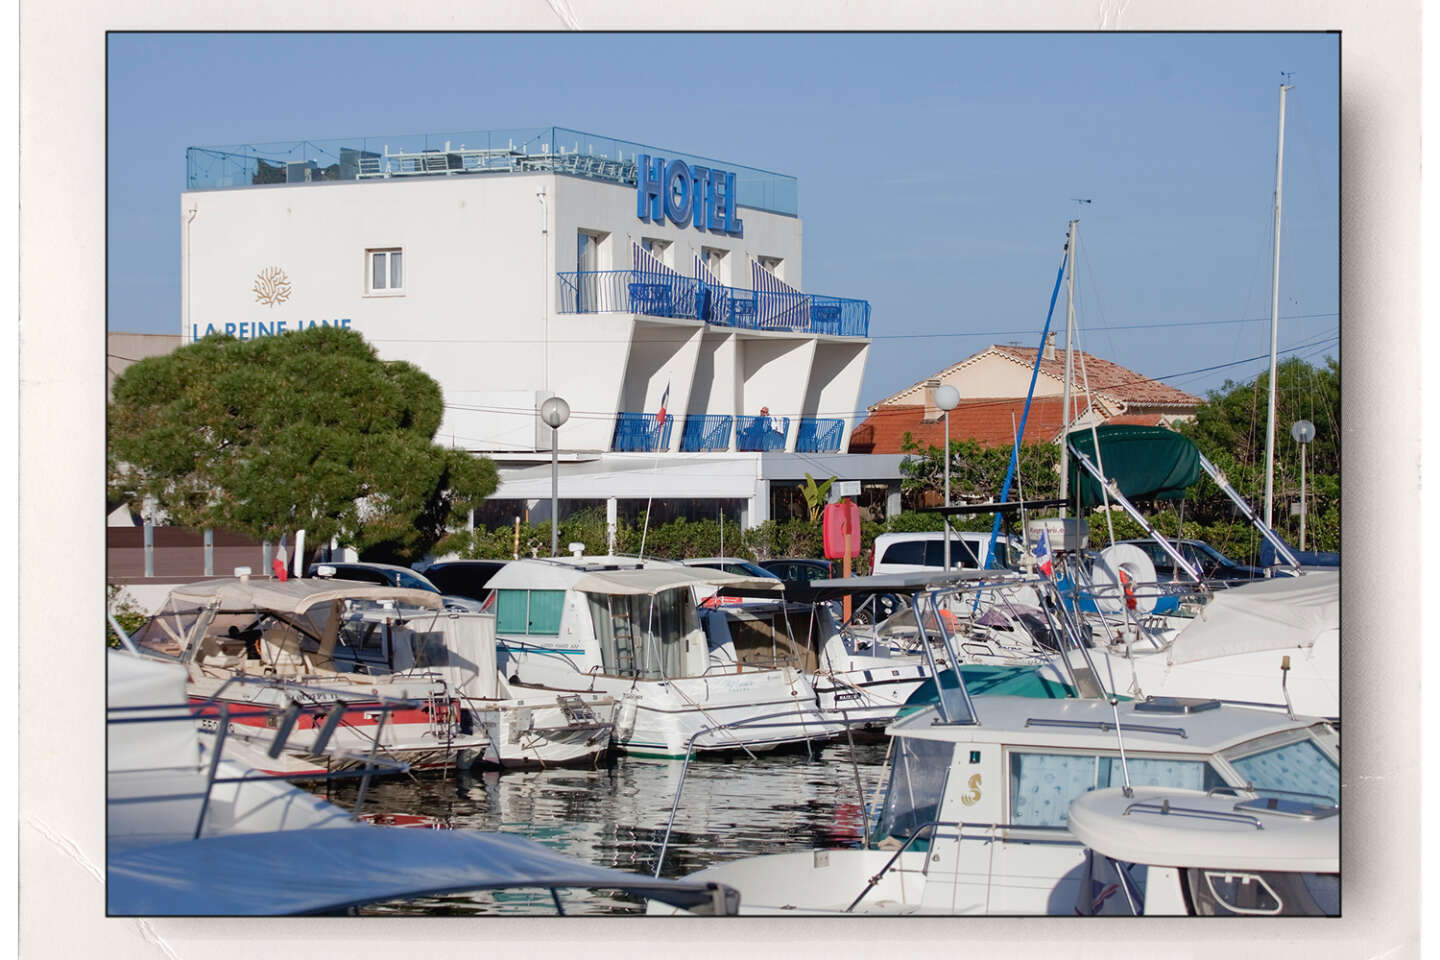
[1212,564]
[465,578]
[797,572]
[387,574]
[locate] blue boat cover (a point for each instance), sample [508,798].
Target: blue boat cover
[329,870]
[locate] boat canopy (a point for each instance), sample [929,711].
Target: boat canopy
[1204,831]
[329,869]
[1146,463]
[1279,614]
[297,596]
[652,580]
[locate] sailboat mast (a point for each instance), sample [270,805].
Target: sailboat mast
[1069,370]
[1274,322]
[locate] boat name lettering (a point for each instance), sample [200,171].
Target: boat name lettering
[704,196]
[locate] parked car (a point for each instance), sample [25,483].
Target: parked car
[1212,564]
[797,573]
[732,565]
[464,578]
[925,549]
[390,575]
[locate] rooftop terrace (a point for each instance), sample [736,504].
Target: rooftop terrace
[472,153]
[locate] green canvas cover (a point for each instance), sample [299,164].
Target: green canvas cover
[1148,463]
[992,680]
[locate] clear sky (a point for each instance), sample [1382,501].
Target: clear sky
[936,171]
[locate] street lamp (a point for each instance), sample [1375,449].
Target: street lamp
[947,398]
[1303,431]
[554,411]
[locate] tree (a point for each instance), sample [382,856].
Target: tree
[816,495]
[1229,428]
[976,472]
[304,430]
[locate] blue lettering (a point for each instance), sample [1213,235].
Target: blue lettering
[243,331]
[714,218]
[209,329]
[649,188]
[280,326]
[678,193]
[345,323]
[733,224]
[230,329]
[700,177]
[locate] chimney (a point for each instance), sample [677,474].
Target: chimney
[932,412]
[1050,346]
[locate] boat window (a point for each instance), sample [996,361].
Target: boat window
[529,611]
[1224,893]
[1300,767]
[917,784]
[643,636]
[1043,784]
[166,633]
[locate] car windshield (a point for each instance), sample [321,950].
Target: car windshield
[413,581]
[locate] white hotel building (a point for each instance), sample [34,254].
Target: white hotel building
[516,265]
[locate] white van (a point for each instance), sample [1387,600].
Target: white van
[925,550]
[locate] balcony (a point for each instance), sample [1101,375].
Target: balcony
[816,435]
[705,433]
[757,434]
[641,433]
[656,295]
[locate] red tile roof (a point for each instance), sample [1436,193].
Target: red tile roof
[988,422]
[1105,377]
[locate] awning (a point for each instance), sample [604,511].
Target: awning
[330,869]
[1146,463]
[298,595]
[1279,614]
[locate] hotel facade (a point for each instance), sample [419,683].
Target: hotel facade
[659,294]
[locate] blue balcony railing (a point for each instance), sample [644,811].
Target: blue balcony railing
[657,295]
[709,432]
[753,434]
[641,433]
[817,435]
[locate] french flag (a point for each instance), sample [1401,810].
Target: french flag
[664,402]
[1042,554]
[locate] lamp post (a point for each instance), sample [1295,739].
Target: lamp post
[1303,431]
[554,411]
[947,398]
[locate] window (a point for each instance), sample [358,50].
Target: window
[714,260]
[659,249]
[529,611]
[917,785]
[385,272]
[1299,767]
[644,636]
[1043,784]
[772,264]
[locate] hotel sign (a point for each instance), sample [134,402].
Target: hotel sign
[683,194]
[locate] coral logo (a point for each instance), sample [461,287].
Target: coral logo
[271,287]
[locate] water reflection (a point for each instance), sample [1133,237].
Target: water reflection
[615,816]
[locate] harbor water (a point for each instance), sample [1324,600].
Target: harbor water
[615,815]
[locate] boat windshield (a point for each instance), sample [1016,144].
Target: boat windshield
[643,635]
[917,785]
[1297,766]
[167,633]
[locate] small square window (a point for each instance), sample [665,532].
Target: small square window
[771,264]
[385,272]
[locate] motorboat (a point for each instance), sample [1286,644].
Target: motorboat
[974,819]
[631,629]
[277,644]
[1154,851]
[191,831]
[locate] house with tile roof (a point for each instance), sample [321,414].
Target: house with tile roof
[993,384]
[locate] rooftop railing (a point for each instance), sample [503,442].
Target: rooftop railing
[706,433]
[654,295]
[523,150]
[754,434]
[641,433]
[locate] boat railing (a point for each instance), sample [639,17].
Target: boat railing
[1165,808]
[760,723]
[371,762]
[931,829]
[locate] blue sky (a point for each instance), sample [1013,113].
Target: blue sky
[936,171]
